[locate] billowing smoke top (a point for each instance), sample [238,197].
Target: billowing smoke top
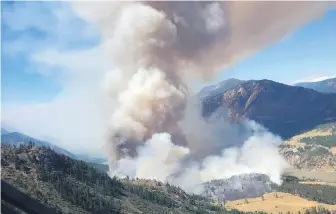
[206,35]
[156,47]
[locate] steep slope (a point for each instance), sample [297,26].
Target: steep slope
[284,110]
[325,86]
[72,186]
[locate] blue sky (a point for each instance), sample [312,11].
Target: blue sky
[52,69]
[307,53]
[29,28]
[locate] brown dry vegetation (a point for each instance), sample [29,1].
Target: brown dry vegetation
[321,176]
[296,140]
[333,150]
[313,150]
[284,202]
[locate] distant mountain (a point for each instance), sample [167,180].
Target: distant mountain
[284,110]
[88,158]
[219,88]
[4,131]
[16,138]
[325,86]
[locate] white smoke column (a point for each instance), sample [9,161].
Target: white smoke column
[157,159]
[156,47]
[160,159]
[258,154]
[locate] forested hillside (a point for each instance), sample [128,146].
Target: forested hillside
[73,186]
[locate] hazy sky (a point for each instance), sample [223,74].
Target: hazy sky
[52,69]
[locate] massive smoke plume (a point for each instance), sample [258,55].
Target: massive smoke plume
[156,48]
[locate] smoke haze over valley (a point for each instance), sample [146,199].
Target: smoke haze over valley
[130,97]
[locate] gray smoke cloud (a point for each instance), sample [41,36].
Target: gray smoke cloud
[156,47]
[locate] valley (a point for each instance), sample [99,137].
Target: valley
[67,184]
[62,181]
[168,107]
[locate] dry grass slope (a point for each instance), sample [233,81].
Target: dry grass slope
[284,202]
[305,174]
[314,150]
[333,150]
[296,140]
[319,183]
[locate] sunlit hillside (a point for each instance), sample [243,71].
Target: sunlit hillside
[277,202]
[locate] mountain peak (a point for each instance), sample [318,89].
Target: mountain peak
[219,88]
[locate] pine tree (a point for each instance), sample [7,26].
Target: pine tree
[30,145]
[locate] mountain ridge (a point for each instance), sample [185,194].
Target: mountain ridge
[280,108]
[17,138]
[324,86]
[4,131]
